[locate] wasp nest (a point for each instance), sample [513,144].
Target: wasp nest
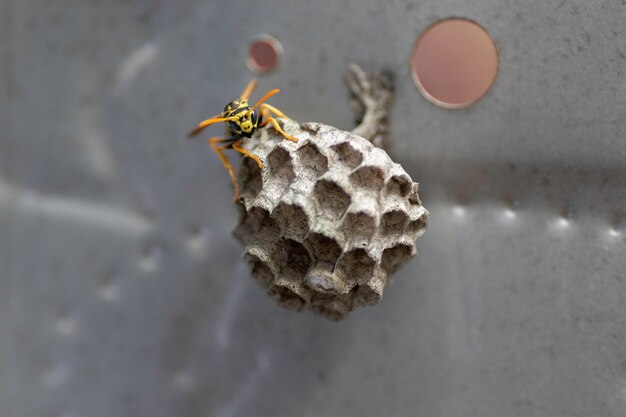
[327,220]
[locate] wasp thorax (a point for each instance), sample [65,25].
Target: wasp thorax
[235,105]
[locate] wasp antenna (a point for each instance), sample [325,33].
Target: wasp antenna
[265,97]
[203,124]
[249,89]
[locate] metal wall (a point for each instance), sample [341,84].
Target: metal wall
[122,292]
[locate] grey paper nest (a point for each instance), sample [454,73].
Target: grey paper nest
[327,220]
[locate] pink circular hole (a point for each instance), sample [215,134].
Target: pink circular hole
[264,53]
[454,63]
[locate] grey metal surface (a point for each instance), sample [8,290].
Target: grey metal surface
[122,292]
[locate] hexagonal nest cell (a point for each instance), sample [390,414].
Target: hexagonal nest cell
[327,220]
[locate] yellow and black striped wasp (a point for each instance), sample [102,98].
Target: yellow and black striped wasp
[241,122]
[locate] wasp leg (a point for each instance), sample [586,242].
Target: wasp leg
[274,110]
[278,128]
[249,89]
[219,150]
[247,153]
[207,122]
[267,109]
[264,113]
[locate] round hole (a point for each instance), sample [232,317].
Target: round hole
[264,53]
[454,63]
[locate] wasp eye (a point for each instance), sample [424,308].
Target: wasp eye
[233,126]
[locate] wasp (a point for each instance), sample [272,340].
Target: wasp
[241,122]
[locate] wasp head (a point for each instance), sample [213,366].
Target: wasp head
[244,120]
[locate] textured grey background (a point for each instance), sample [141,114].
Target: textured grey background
[122,292]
